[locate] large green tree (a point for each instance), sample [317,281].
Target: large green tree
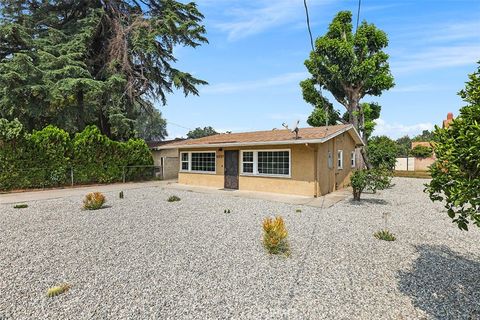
[404,144]
[350,65]
[456,172]
[72,63]
[201,132]
[382,152]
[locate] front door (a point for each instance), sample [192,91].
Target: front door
[231,169]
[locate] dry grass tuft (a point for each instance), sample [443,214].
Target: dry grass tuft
[57,290]
[94,201]
[275,236]
[384,235]
[173,199]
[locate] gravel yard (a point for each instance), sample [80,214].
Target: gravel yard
[145,258]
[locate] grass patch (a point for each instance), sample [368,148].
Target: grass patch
[57,290]
[120,195]
[413,174]
[384,235]
[298,211]
[94,201]
[226,211]
[275,236]
[173,199]
[21,206]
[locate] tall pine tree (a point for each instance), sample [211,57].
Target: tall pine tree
[72,63]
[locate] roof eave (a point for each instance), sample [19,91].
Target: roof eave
[355,136]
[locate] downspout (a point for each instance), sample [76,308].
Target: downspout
[315,168]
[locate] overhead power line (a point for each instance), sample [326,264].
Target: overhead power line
[358,12]
[175,124]
[308,24]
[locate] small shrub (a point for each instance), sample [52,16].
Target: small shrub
[226,211]
[173,199]
[359,181]
[379,179]
[373,180]
[120,195]
[21,206]
[94,201]
[55,291]
[275,236]
[384,235]
[298,211]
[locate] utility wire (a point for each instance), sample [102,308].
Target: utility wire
[308,24]
[175,124]
[313,50]
[358,12]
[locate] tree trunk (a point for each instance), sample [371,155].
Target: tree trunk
[81,110]
[357,119]
[363,152]
[356,194]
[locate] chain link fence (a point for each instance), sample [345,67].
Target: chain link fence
[45,177]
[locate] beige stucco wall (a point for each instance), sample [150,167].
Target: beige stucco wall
[302,180]
[330,179]
[170,162]
[423,164]
[342,176]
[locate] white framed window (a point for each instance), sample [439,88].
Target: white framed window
[198,161]
[330,160]
[275,163]
[247,162]
[340,159]
[352,159]
[185,162]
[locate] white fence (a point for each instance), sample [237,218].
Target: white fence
[405,164]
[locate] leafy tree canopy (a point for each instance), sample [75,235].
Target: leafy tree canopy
[349,65]
[201,132]
[426,136]
[404,144]
[75,63]
[421,151]
[151,127]
[382,152]
[456,172]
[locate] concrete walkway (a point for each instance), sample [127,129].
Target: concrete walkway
[320,202]
[38,195]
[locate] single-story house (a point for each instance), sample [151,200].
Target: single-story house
[165,159]
[313,163]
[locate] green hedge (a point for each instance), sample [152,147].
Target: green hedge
[44,158]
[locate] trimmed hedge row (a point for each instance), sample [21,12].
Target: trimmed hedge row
[44,158]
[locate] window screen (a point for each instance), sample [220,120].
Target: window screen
[203,161]
[247,161]
[274,162]
[340,159]
[185,161]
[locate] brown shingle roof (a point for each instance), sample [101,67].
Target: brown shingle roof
[305,135]
[156,144]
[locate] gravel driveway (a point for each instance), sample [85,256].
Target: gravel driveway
[145,258]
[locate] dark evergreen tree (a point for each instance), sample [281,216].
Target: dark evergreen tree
[81,62]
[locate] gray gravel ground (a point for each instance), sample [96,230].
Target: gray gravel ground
[145,258]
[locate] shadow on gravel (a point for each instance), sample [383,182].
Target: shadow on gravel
[443,283]
[365,201]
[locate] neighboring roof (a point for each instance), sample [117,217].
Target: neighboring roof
[271,137]
[156,144]
[421,143]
